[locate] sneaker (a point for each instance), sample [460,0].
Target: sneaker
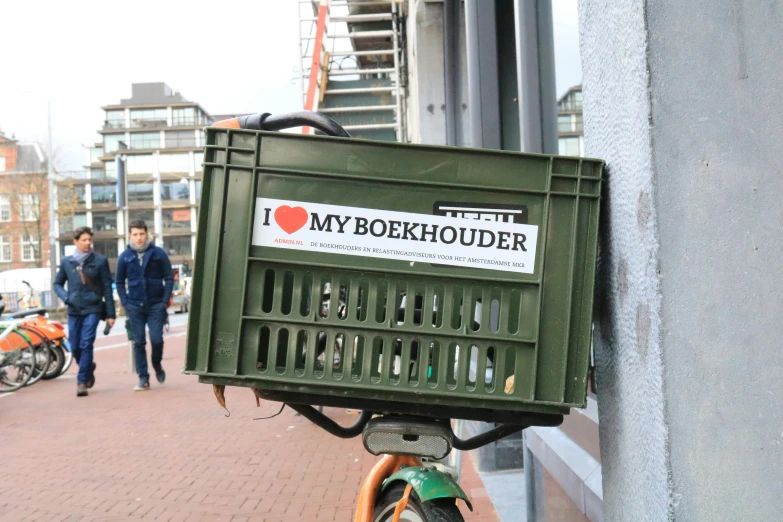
[142,386]
[160,375]
[91,378]
[81,390]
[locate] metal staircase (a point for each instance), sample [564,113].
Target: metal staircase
[352,65]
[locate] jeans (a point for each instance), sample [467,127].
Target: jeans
[81,335]
[153,317]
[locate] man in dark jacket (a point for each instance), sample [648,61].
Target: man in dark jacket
[150,281]
[88,278]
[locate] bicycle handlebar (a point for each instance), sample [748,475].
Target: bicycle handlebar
[269,122]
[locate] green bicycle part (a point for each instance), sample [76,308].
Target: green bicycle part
[429,484]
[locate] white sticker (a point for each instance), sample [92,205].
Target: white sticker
[387,234]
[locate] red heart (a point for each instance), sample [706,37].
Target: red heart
[291,219]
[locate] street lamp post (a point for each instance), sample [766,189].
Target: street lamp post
[50,177]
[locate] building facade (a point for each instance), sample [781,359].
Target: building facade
[570,129]
[24,205]
[154,140]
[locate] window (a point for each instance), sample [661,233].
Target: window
[115,119]
[30,248]
[95,154]
[140,191]
[198,189]
[176,218]
[139,164]
[564,123]
[70,196]
[103,194]
[70,223]
[29,209]
[148,216]
[173,162]
[569,146]
[177,245]
[175,190]
[180,139]
[2,163]
[5,249]
[105,247]
[187,116]
[5,207]
[198,160]
[145,140]
[148,117]
[572,102]
[97,174]
[113,143]
[73,195]
[111,169]
[104,221]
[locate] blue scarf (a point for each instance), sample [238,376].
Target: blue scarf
[81,258]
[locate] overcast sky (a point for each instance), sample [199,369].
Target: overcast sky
[231,57]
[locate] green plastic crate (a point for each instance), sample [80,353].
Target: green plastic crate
[412,329]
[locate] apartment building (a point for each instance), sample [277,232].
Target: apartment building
[147,166]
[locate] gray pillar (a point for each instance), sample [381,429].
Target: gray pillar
[450,68]
[482,55]
[426,118]
[682,101]
[536,75]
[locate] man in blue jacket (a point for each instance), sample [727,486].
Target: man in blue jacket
[150,281]
[87,275]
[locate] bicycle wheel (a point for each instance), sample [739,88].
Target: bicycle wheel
[16,367]
[55,367]
[65,347]
[42,359]
[440,510]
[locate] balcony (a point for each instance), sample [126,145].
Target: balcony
[189,143]
[157,123]
[188,122]
[145,144]
[148,123]
[104,177]
[570,127]
[76,175]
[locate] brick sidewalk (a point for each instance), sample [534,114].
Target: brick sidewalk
[170,454]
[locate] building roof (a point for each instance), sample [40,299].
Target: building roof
[154,94]
[575,88]
[29,158]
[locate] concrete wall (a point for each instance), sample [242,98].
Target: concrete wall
[426,117]
[682,100]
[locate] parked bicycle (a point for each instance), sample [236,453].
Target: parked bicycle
[332,276]
[17,357]
[32,340]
